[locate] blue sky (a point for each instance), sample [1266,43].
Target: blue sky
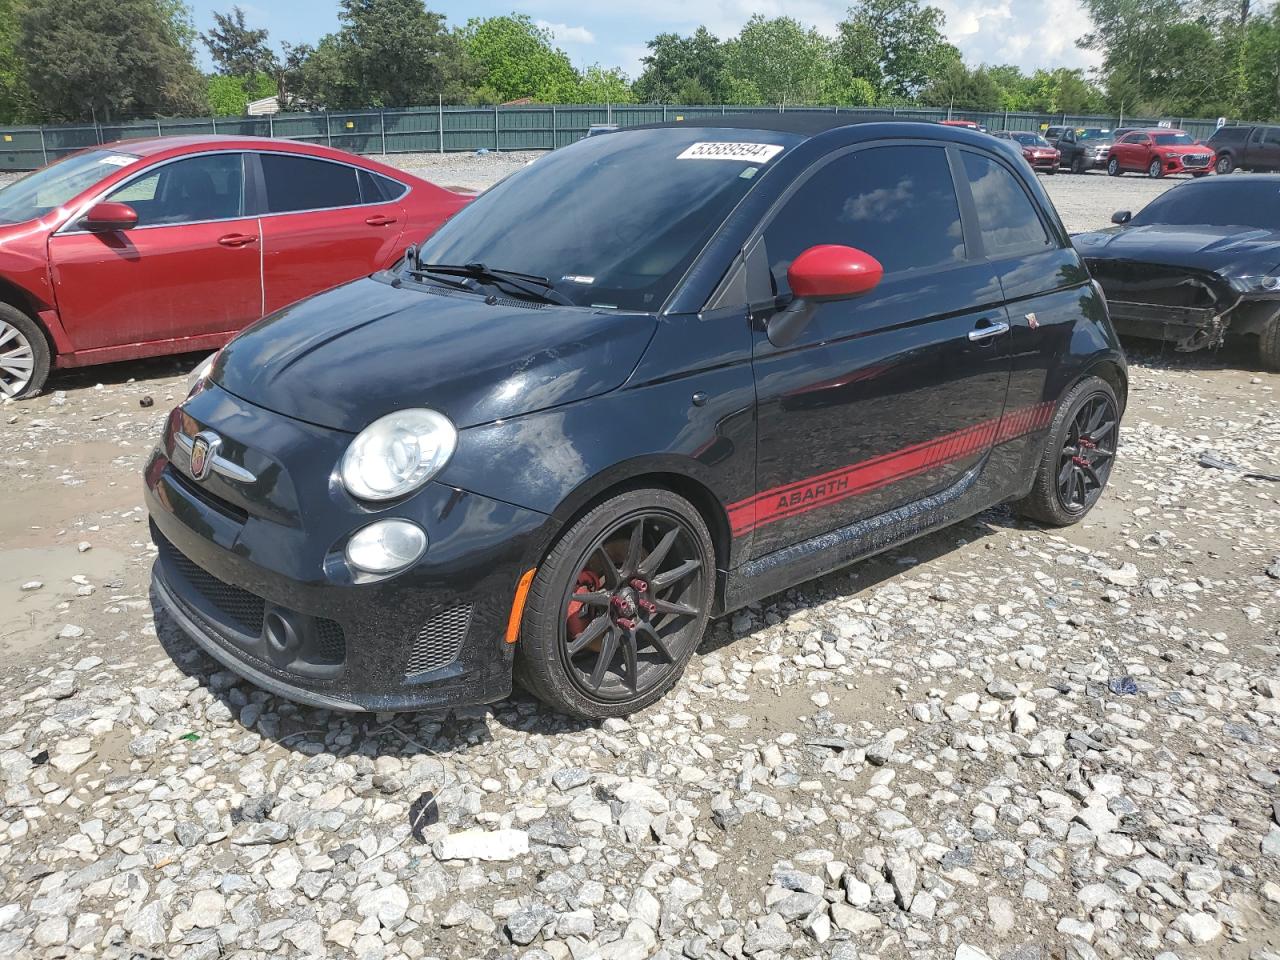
[1030,33]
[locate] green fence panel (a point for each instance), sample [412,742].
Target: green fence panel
[431,129]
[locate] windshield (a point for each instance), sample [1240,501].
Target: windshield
[1093,133]
[1229,202]
[52,186]
[1173,140]
[1030,140]
[612,221]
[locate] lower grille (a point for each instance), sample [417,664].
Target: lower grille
[324,643]
[243,609]
[439,641]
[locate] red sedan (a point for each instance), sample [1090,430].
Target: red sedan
[173,244]
[1159,152]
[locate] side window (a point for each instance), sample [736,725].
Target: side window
[375,188]
[210,187]
[300,183]
[1258,135]
[896,203]
[1006,216]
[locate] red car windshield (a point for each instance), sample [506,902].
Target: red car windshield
[52,186]
[1173,140]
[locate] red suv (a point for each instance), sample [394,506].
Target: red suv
[148,247]
[1158,152]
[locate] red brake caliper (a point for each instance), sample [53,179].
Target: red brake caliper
[588,582]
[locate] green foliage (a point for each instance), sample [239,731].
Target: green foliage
[386,53]
[1259,90]
[683,70]
[782,61]
[963,89]
[16,98]
[895,45]
[604,85]
[238,51]
[230,96]
[516,58]
[110,59]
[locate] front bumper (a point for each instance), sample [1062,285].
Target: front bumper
[253,571]
[1190,308]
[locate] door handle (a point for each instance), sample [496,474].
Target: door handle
[379,221]
[993,328]
[237,239]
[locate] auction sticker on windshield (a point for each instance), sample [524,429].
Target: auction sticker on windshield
[749,152]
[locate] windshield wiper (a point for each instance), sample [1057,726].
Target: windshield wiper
[531,285]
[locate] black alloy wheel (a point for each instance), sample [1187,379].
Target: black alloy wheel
[640,586]
[1076,456]
[618,606]
[1087,455]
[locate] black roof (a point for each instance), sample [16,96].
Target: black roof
[803,122]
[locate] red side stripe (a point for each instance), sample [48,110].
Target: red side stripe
[833,486]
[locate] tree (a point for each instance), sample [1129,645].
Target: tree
[963,89]
[683,69]
[231,96]
[896,45]
[16,98]
[236,50]
[386,53]
[110,59]
[605,85]
[1260,95]
[780,61]
[517,58]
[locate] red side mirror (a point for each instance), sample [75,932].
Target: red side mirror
[111,216]
[830,271]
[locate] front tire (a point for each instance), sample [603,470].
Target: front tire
[1113,167]
[1156,170]
[24,355]
[1077,165]
[618,606]
[1269,345]
[1078,455]
[1225,165]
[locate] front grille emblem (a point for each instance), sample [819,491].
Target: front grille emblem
[204,447]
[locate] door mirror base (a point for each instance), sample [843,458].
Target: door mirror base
[789,322]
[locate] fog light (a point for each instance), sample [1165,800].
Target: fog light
[386,546]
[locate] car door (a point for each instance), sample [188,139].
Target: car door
[887,398]
[321,226]
[1270,149]
[1041,277]
[189,270]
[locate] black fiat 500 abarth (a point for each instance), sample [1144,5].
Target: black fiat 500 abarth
[651,378]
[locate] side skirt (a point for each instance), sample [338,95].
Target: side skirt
[811,558]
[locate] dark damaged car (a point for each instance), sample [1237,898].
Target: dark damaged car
[655,376]
[1199,263]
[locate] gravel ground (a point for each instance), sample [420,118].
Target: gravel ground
[997,742]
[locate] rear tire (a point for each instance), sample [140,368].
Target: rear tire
[1047,503]
[24,355]
[1113,167]
[584,606]
[1269,345]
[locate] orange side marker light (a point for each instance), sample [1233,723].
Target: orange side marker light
[517,605]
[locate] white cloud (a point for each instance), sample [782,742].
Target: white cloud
[566,33]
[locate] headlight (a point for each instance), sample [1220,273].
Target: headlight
[386,546]
[197,377]
[397,453]
[1266,283]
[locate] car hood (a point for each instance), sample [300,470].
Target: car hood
[344,358]
[1231,251]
